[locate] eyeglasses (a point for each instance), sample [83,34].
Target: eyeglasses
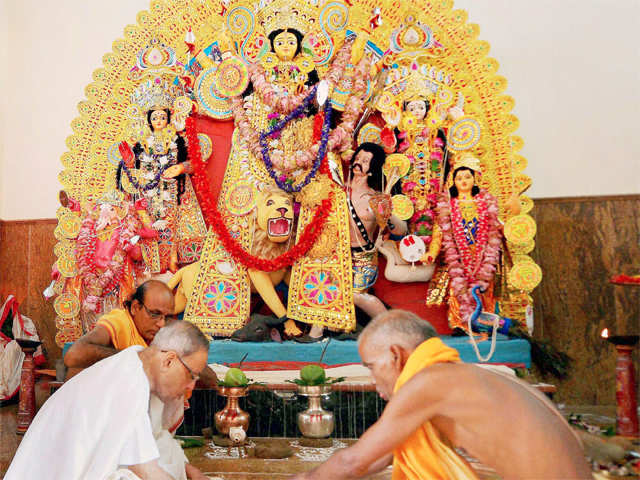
[195,377]
[154,315]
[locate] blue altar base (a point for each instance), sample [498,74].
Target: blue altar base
[511,352]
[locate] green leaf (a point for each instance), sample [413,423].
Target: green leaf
[187,442]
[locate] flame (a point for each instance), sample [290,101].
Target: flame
[605,333]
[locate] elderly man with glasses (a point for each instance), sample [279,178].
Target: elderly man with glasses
[148,310]
[98,422]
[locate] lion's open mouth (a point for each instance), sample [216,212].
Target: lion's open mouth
[279,227]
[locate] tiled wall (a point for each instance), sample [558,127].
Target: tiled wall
[581,244]
[26,256]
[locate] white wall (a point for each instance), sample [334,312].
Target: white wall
[4,87]
[573,67]
[54,48]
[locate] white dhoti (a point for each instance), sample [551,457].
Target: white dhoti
[172,458]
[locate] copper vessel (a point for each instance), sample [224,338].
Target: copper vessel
[315,422]
[231,415]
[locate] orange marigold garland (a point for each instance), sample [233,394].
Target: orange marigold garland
[215,219]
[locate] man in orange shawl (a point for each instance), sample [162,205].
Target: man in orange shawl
[144,313]
[437,403]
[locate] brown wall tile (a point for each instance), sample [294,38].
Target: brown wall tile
[581,244]
[26,256]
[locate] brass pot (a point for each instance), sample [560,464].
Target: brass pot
[315,422]
[231,415]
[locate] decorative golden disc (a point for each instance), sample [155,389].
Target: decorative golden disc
[67,266]
[69,225]
[464,134]
[402,207]
[208,98]
[183,104]
[522,248]
[520,229]
[526,204]
[241,198]
[369,133]
[231,77]
[525,276]
[399,161]
[67,305]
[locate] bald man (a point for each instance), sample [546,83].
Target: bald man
[137,324]
[437,403]
[144,314]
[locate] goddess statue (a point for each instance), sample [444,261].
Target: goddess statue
[285,134]
[416,131]
[155,170]
[471,241]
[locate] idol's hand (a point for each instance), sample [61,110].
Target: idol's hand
[428,259]
[126,153]
[456,113]
[173,171]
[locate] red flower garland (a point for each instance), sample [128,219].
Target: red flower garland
[216,219]
[470,263]
[465,272]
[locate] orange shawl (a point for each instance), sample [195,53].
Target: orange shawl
[424,455]
[122,329]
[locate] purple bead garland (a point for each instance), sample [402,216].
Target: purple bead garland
[278,126]
[149,186]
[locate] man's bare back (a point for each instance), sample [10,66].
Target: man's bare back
[493,416]
[501,421]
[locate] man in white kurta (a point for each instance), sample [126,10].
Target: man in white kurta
[98,421]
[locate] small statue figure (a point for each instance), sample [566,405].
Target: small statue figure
[155,170]
[471,240]
[370,207]
[108,256]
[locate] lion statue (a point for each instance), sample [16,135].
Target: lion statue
[274,225]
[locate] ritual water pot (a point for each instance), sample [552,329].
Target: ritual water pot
[315,422]
[231,415]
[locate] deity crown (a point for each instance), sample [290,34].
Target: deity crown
[417,88]
[286,14]
[153,93]
[112,197]
[468,161]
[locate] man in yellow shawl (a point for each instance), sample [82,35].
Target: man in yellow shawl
[148,309]
[437,403]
